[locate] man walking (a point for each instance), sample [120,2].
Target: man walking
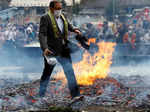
[53,36]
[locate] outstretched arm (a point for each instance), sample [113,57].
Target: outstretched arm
[72,29]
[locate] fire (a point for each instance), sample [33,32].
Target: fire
[91,40]
[93,67]
[96,66]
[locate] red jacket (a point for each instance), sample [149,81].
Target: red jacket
[132,41]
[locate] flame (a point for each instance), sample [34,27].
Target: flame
[91,40]
[93,67]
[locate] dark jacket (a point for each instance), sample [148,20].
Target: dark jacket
[46,36]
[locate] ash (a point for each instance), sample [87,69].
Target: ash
[115,90]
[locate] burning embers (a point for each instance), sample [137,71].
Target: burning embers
[122,92]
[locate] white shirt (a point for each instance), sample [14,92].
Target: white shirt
[60,23]
[12,35]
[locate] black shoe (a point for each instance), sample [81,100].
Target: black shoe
[76,99]
[80,98]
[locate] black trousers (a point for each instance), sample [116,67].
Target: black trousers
[66,63]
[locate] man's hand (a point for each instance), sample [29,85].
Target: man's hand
[47,52]
[78,32]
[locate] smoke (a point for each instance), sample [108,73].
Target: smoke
[133,60]
[23,63]
[131,64]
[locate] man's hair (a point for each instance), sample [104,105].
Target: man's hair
[52,4]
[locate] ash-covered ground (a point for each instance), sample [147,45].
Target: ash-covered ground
[127,88]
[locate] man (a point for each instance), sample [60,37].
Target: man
[130,37]
[53,33]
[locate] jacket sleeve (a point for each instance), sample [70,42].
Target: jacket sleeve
[43,33]
[71,28]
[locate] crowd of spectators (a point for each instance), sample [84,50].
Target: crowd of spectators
[133,30]
[17,35]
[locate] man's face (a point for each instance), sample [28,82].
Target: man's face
[57,10]
[58,6]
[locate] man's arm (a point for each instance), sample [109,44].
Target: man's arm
[43,33]
[72,29]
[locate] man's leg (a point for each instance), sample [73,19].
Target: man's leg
[69,72]
[45,77]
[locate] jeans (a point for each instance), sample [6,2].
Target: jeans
[66,63]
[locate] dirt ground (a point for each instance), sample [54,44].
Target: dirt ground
[95,109]
[114,109]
